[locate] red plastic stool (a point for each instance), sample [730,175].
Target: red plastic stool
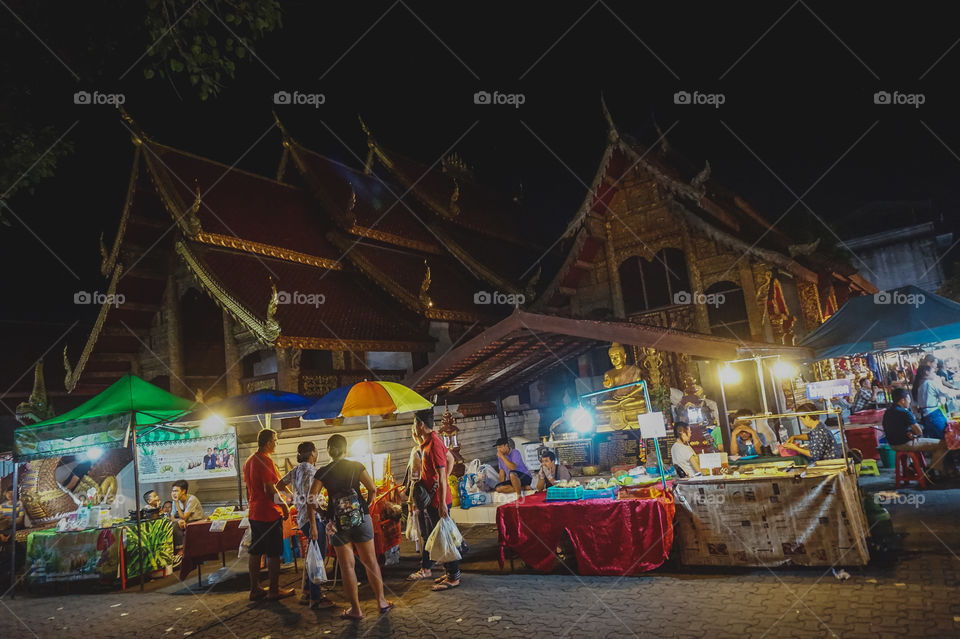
[910,465]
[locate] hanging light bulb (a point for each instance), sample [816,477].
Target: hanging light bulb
[784,370]
[729,375]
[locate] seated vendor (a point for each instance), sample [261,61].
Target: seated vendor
[514,475]
[685,459]
[186,508]
[551,471]
[821,444]
[745,441]
[151,500]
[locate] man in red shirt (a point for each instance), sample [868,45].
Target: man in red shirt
[266,515]
[432,483]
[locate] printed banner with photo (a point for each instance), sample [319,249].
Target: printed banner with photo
[202,457]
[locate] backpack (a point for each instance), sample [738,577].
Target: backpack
[345,507]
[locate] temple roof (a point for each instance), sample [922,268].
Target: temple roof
[332,309]
[449,192]
[225,206]
[446,293]
[392,236]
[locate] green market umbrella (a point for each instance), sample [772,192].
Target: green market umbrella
[101,421]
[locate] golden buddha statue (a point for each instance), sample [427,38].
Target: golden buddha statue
[620,408]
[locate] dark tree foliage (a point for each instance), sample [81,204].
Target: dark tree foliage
[49,50]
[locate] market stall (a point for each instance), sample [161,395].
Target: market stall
[95,553]
[771,518]
[114,419]
[609,536]
[206,540]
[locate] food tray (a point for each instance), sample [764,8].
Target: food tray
[555,493]
[603,493]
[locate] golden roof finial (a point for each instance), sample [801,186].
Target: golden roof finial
[190,219]
[136,133]
[454,208]
[424,297]
[272,326]
[283,129]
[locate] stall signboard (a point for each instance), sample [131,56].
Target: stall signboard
[531,454]
[574,452]
[202,457]
[619,448]
[828,389]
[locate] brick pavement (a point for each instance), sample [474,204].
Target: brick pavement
[916,597]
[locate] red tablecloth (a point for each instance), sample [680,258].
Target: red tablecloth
[611,537]
[199,544]
[870,416]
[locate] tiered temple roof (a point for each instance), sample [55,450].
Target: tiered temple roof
[382,267]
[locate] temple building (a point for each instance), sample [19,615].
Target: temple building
[224,281]
[327,274]
[659,241]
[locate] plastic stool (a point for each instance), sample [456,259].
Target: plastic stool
[869,467]
[910,465]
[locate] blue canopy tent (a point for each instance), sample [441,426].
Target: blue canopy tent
[255,404]
[900,318]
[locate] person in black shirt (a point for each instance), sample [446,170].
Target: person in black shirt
[350,526]
[905,435]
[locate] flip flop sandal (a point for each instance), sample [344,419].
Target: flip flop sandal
[417,576]
[346,615]
[387,609]
[440,580]
[445,586]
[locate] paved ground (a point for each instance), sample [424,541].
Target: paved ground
[916,596]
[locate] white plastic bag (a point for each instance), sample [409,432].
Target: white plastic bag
[413,529]
[316,571]
[244,549]
[487,478]
[444,542]
[472,468]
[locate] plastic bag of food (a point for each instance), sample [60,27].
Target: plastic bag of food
[444,542]
[244,549]
[316,571]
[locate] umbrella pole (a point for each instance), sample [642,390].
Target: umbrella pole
[370,444]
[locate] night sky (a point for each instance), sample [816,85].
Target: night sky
[798,83]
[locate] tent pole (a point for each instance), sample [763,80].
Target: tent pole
[136,483]
[722,420]
[13,531]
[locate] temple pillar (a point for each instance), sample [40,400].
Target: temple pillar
[754,314]
[231,355]
[288,369]
[171,319]
[613,274]
[809,304]
[701,319]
